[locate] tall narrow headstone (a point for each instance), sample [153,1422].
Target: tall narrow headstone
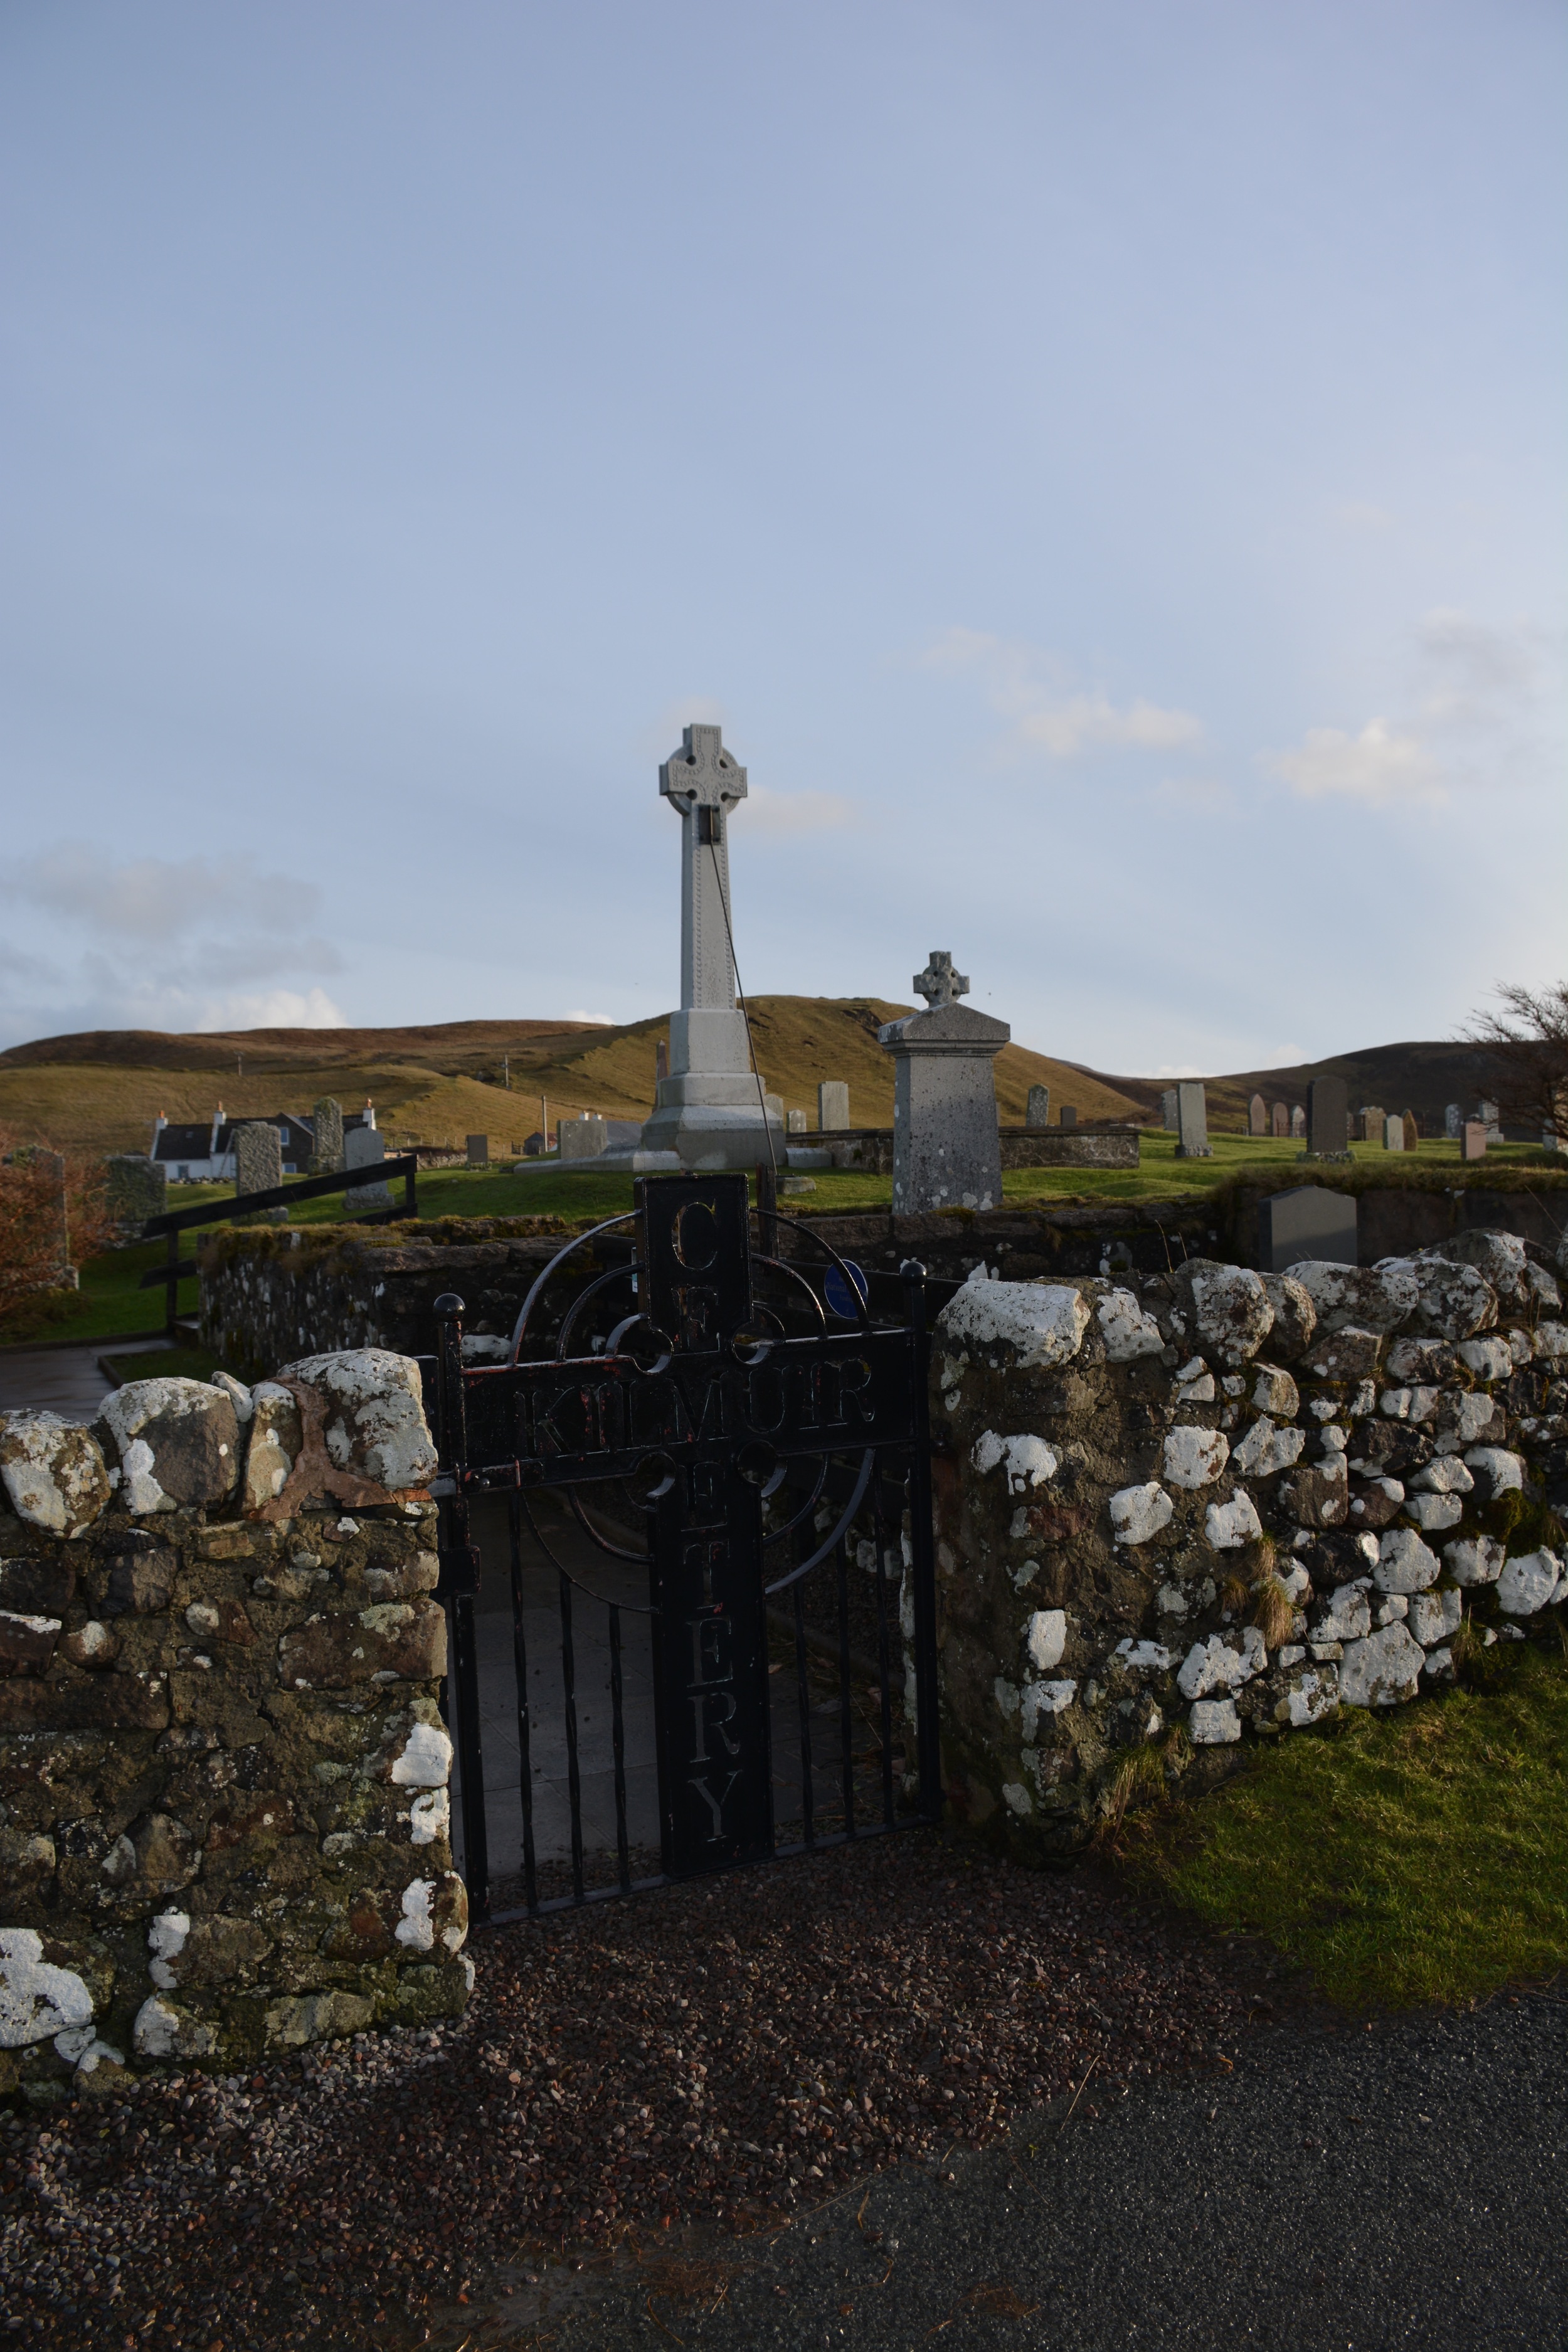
[1328,1123]
[709,1109]
[833,1106]
[259,1163]
[1372,1117]
[1192,1121]
[1168,1119]
[1069,1113]
[1453,1120]
[364,1147]
[794,1122]
[1257,1115]
[1487,1114]
[479,1150]
[947,1151]
[1280,1118]
[660,1060]
[1298,1123]
[1038,1109]
[138,1188]
[1412,1130]
[327,1135]
[1472,1140]
[1393,1132]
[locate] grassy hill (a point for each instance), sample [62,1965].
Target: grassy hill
[1422,1075]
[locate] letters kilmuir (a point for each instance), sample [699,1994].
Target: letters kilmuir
[751,1428]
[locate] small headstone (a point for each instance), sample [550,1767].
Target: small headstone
[584,1137]
[364,1147]
[327,1132]
[1371,1120]
[1308,1222]
[1472,1140]
[1298,1123]
[1280,1118]
[773,1105]
[1453,1120]
[138,1188]
[1038,1108]
[259,1163]
[1393,1133]
[1069,1115]
[1412,1130]
[1487,1114]
[1257,1115]
[661,1061]
[479,1150]
[1192,1121]
[1328,1123]
[794,1122]
[1168,1119]
[833,1106]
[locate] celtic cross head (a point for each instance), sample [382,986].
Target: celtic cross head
[939,983]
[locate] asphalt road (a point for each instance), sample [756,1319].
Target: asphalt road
[1335,2191]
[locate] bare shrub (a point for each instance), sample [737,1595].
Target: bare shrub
[52,1217]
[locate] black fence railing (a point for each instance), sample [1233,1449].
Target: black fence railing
[175,1222]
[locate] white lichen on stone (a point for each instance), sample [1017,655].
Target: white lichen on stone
[1266,1448]
[1044,1698]
[426,1759]
[1228,1526]
[375,1417]
[1529,1583]
[54,1473]
[1434,1617]
[1346,1617]
[429,1816]
[1503,1470]
[1044,1638]
[1029,1459]
[1214,1665]
[1043,1323]
[1213,1722]
[1473,1560]
[1127,1332]
[1193,1456]
[37,1998]
[1145,1657]
[1382,1671]
[166,1941]
[1016,1798]
[1138,1513]
[417,1928]
[1404,1564]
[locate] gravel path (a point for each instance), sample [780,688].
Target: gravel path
[726,2053]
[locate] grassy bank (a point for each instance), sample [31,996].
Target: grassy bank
[1417,1857]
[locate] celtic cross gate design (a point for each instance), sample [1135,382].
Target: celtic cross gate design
[749,1410]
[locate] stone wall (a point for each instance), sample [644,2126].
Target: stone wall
[868,1151]
[1177,1513]
[223,1800]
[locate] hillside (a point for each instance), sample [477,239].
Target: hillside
[100,1091]
[1422,1075]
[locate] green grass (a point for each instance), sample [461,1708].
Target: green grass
[1405,1859]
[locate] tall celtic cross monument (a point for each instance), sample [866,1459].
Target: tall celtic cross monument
[709,1110]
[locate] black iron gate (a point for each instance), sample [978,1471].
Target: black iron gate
[722,1422]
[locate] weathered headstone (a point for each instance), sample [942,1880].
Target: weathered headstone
[1280,1119]
[1473,1141]
[327,1133]
[1069,1113]
[794,1123]
[479,1150]
[259,1163]
[1412,1130]
[1372,1117]
[1328,1124]
[660,1060]
[1038,1108]
[1488,1115]
[1257,1115]
[946,1148]
[1453,1120]
[364,1148]
[137,1189]
[1298,1123]
[833,1106]
[1310,1221]
[1168,1119]
[584,1137]
[1192,1121]
[1393,1132]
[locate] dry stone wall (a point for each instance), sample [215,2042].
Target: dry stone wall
[1177,1513]
[224,1803]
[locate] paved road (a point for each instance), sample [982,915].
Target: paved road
[1337,2192]
[65,1380]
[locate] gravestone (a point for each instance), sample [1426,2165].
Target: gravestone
[51,1167]
[1069,1115]
[1308,1222]
[584,1137]
[258,1164]
[833,1106]
[327,1135]
[794,1123]
[1257,1115]
[1487,1114]
[479,1150]
[137,1189]
[946,1149]
[364,1148]
[707,1110]
[1282,1119]
[1372,1123]
[1038,1108]
[1327,1121]
[1393,1132]
[660,1060]
[1472,1140]
[1412,1130]
[1453,1120]
[1298,1123]
[1168,1119]
[1192,1121]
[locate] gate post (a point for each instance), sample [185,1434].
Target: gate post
[459,1582]
[922,1561]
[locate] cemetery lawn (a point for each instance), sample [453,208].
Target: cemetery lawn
[1405,1858]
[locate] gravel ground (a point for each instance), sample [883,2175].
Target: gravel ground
[723,2056]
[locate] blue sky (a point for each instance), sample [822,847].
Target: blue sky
[1103,465]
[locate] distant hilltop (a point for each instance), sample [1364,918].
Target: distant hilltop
[100,1089]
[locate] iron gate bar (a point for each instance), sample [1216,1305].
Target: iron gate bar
[707,1425]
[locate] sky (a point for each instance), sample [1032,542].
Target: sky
[1102,465]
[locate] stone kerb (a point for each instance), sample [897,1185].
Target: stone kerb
[1177,1513]
[225,1824]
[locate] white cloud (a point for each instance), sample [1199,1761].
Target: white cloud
[600,1019]
[1380,766]
[159,897]
[1201,795]
[273,1008]
[1047,711]
[784,815]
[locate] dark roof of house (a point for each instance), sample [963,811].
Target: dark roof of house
[189,1141]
